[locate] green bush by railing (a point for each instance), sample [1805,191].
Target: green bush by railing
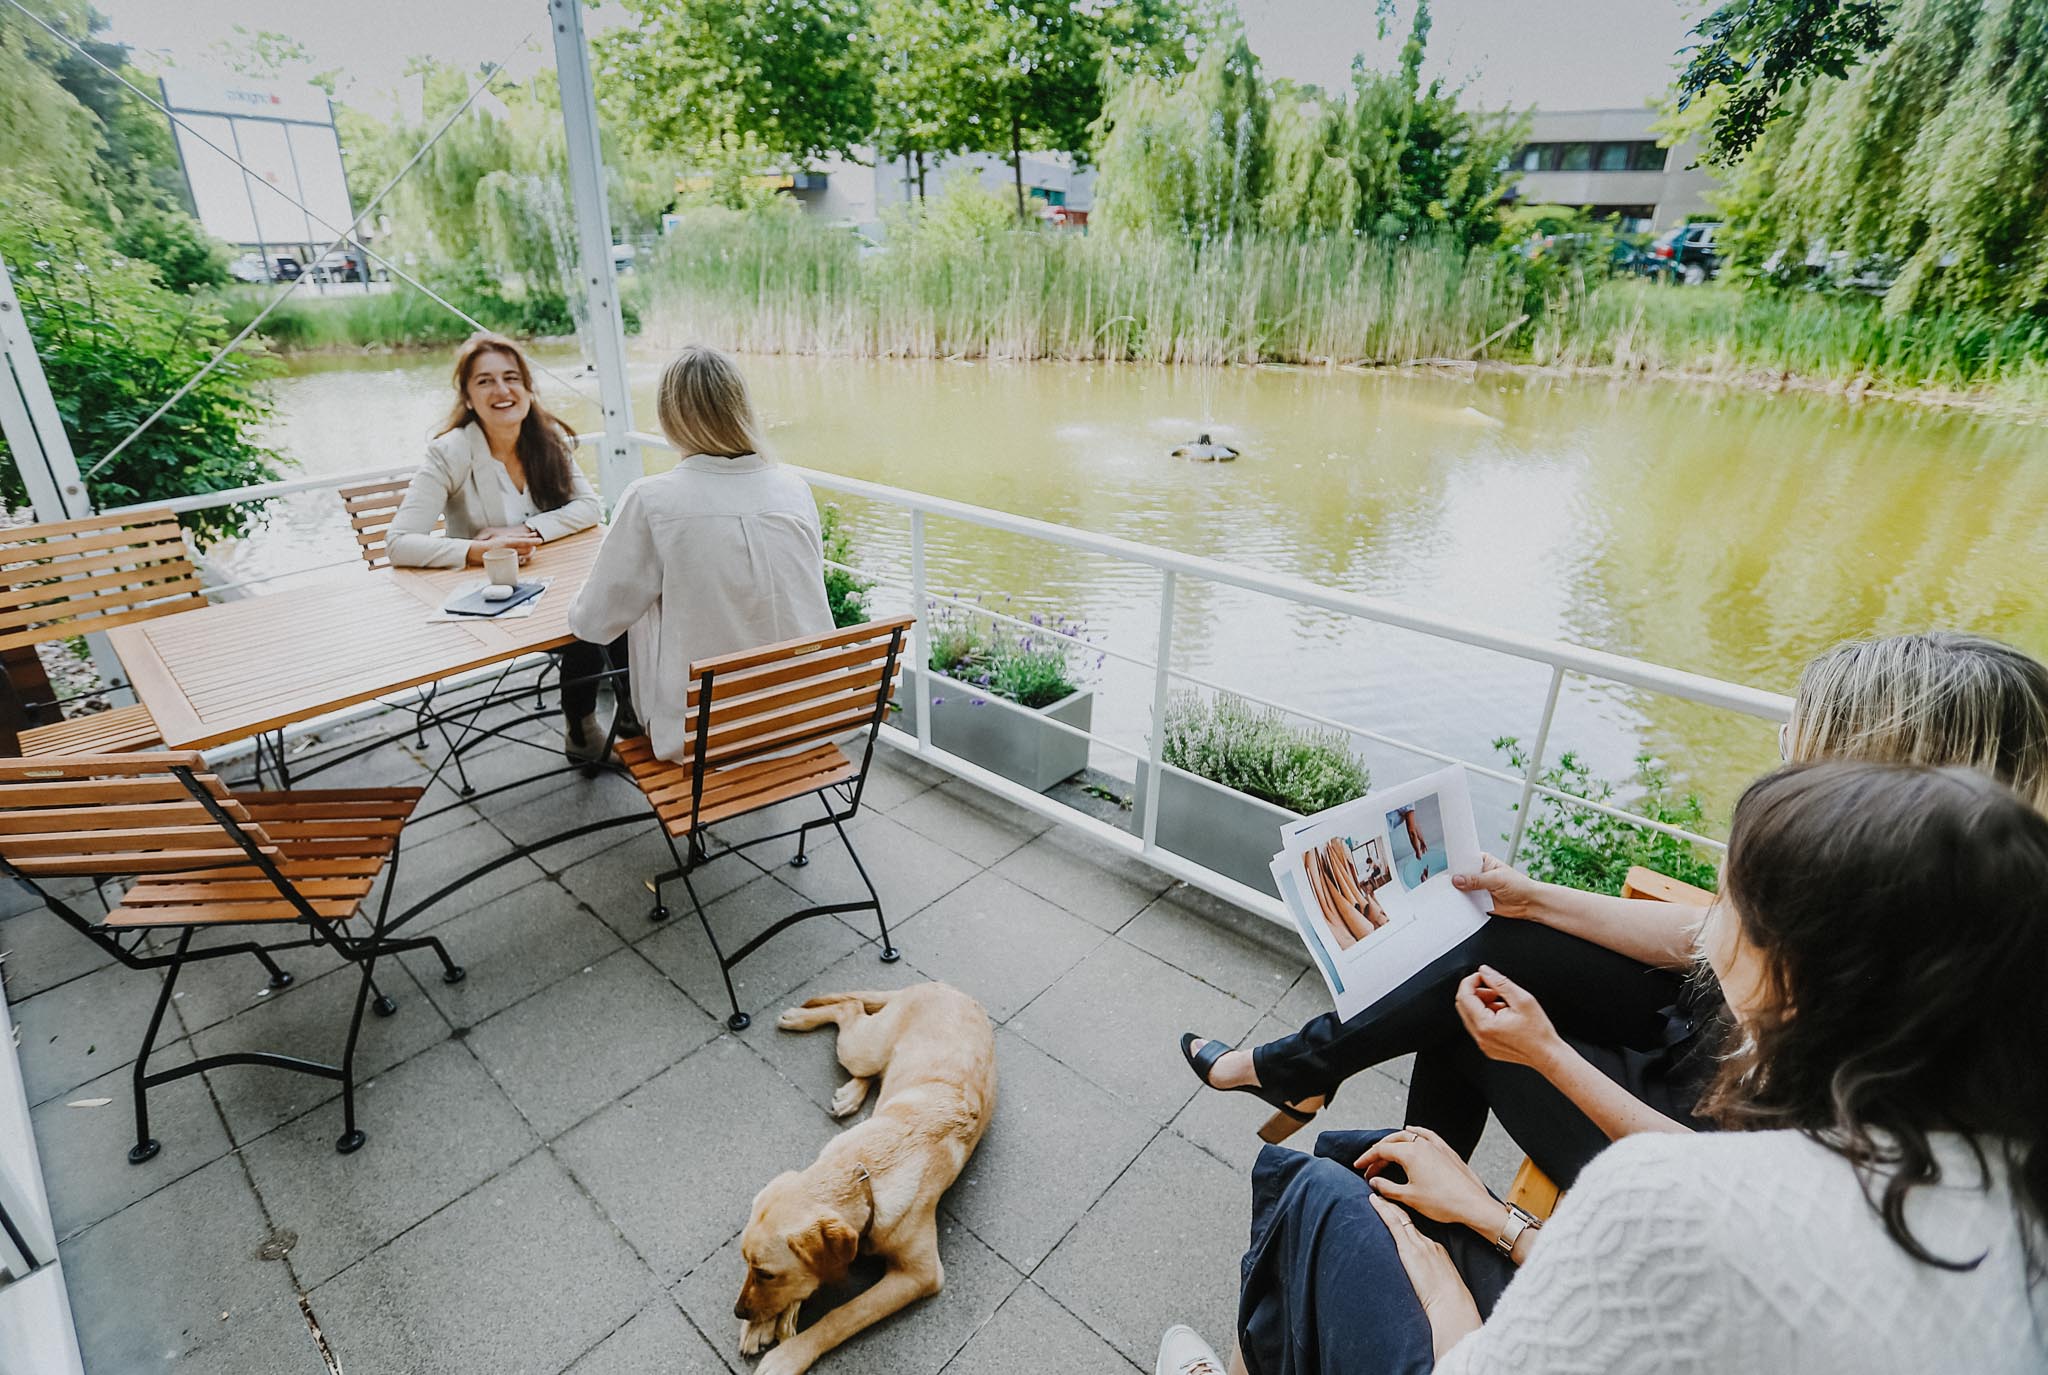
[1257,750]
[1031,669]
[1592,851]
[846,592]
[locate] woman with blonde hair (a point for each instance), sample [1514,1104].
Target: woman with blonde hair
[719,554]
[501,472]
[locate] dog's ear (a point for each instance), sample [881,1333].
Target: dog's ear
[828,1249]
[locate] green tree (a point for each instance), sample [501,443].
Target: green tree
[47,137]
[1755,54]
[114,343]
[185,255]
[791,79]
[1929,162]
[1192,154]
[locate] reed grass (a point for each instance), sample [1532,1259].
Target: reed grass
[390,319]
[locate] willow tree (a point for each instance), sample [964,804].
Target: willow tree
[1929,162]
[1186,154]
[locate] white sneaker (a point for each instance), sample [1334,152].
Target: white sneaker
[1183,1352]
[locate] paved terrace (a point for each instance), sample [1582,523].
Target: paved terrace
[562,1149]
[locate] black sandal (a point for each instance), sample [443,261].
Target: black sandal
[1201,1062]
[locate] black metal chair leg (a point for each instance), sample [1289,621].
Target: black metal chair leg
[890,954]
[660,911]
[739,1021]
[803,838]
[382,1003]
[279,977]
[147,1146]
[352,1137]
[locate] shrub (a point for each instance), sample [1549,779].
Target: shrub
[1026,667]
[1592,851]
[1259,751]
[115,344]
[185,254]
[845,591]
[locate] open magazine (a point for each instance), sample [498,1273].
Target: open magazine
[1368,884]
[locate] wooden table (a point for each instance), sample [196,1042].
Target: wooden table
[234,670]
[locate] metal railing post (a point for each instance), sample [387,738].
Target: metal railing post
[1162,682]
[1535,768]
[920,637]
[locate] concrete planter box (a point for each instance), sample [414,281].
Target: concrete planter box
[1001,736]
[1231,832]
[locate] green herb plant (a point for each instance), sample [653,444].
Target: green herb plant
[1257,750]
[846,591]
[1592,851]
[1027,666]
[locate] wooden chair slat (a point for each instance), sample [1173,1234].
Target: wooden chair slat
[791,649]
[238,890]
[116,863]
[1648,883]
[115,838]
[157,765]
[120,731]
[726,712]
[112,791]
[226,913]
[28,544]
[370,508]
[143,816]
[68,611]
[156,515]
[153,582]
[86,625]
[775,675]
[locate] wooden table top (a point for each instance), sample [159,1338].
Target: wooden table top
[234,670]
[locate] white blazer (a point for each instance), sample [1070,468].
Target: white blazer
[460,482]
[712,557]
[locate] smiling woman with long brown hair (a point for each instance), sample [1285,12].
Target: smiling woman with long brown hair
[501,472]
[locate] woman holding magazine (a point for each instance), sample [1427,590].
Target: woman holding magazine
[1571,1016]
[1877,1198]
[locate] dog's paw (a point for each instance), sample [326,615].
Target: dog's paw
[851,1095]
[783,1360]
[755,1337]
[795,1019]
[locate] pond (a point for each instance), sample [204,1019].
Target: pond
[1730,533]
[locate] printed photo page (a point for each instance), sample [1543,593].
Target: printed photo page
[1368,884]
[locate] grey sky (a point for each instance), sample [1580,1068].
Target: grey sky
[1560,54]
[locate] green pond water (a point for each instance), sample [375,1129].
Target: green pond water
[1729,533]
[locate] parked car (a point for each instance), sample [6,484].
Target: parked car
[1687,253]
[623,256]
[337,266]
[248,268]
[288,269]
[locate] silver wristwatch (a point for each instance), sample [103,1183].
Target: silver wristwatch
[1511,1228]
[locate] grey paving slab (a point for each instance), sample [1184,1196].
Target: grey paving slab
[809,1059]
[909,870]
[578,1044]
[615,883]
[173,1283]
[1117,1019]
[1089,879]
[784,816]
[519,1276]
[211,991]
[312,1022]
[510,947]
[682,952]
[919,1340]
[425,868]
[1161,1247]
[969,822]
[908,765]
[998,943]
[85,1149]
[576,802]
[1032,1332]
[676,1163]
[1055,1144]
[38,951]
[658,1340]
[437,1128]
[890,784]
[81,1029]
[1252,971]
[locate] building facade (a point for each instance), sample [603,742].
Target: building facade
[856,194]
[1609,161]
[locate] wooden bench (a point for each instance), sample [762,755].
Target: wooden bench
[198,856]
[1533,1191]
[74,577]
[768,727]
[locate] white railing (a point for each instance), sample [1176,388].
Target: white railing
[1172,566]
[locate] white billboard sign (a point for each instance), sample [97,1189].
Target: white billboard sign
[283,135]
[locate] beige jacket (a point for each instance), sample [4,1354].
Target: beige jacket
[712,557]
[460,482]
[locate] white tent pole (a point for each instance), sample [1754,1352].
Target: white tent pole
[618,461]
[28,417]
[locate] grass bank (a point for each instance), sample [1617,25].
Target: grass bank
[784,284]
[400,318]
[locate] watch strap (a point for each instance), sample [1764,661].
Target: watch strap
[1512,1226]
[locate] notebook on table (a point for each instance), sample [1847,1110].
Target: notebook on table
[472,602]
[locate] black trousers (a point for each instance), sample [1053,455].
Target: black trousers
[1650,1030]
[582,662]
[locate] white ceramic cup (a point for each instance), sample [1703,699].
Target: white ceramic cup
[501,566]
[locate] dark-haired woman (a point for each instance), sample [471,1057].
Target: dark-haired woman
[501,474]
[1876,1202]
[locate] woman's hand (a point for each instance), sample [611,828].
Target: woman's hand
[1513,893]
[1446,1302]
[1440,1184]
[521,544]
[1506,1020]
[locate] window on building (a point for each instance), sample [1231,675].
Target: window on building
[1575,157]
[1648,157]
[1533,157]
[1612,157]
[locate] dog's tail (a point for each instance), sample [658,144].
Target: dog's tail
[869,1002]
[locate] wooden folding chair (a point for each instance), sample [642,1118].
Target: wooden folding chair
[199,856]
[73,577]
[766,729]
[1533,1191]
[370,507]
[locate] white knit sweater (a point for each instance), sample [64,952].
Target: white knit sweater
[1754,1253]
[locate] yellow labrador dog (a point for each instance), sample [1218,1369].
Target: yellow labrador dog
[875,1187]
